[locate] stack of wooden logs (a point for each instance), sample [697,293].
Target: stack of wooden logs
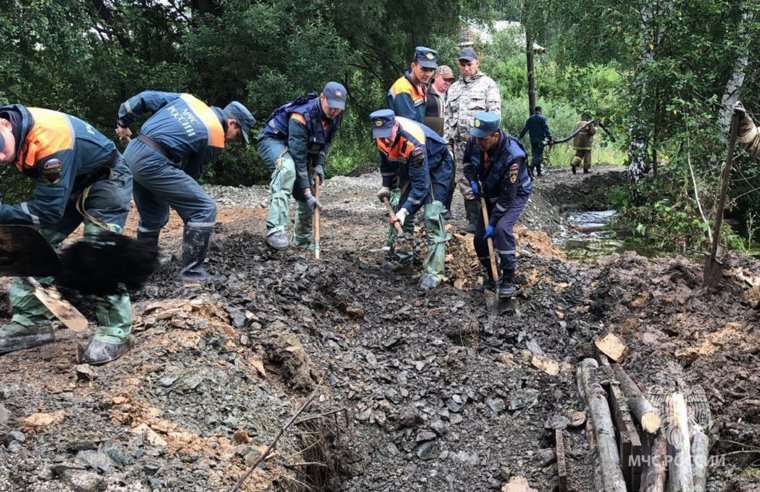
[638,445]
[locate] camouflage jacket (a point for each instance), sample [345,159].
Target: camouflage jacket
[465,98]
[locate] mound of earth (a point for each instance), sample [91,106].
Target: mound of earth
[414,390]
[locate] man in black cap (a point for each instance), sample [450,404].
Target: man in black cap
[538,130]
[407,96]
[473,92]
[293,145]
[168,156]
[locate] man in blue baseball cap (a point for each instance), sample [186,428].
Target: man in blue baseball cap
[175,143]
[408,94]
[293,145]
[415,160]
[495,165]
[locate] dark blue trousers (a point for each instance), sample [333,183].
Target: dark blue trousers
[504,238]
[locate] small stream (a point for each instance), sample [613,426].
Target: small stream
[588,234]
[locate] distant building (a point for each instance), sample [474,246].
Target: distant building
[483,34]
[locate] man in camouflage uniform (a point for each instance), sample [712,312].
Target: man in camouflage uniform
[472,93]
[582,143]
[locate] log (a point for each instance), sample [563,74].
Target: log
[679,445]
[628,437]
[654,478]
[559,440]
[700,453]
[646,414]
[600,419]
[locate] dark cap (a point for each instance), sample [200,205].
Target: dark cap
[244,118]
[335,94]
[485,124]
[382,123]
[426,57]
[467,54]
[538,108]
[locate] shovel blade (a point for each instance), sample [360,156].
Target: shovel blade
[24,252]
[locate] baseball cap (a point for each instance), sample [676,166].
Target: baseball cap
[485,124]
[244,118]
[382,123]
[445,72]
[426,57]
[336,95]
[467,54]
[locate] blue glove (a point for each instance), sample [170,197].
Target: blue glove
[320,171]
[475,189]
[489,231]
[311,201]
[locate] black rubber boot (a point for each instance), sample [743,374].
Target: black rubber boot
[507,287]
[195,243]
[149,238]
[472,207]
[15,336]
[100,352]
[488,283]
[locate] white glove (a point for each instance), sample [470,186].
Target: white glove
[401,215]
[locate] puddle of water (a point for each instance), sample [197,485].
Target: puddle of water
[585,234]
[590,235]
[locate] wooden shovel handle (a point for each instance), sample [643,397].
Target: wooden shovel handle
[316,218]
[491,254]
[392,215]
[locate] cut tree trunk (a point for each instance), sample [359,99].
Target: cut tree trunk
[600,419]
[700,452]
[654,479]
[645,413]
[680,475]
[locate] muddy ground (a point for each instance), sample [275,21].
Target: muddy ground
[423,390]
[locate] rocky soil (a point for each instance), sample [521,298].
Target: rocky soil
[415,390]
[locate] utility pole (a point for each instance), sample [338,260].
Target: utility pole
[529,58]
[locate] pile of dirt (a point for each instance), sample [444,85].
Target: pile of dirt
[416,390]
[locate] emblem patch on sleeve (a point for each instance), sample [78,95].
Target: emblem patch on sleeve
[51,171]
[513,173]
[418,156]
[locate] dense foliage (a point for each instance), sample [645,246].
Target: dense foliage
[656,72]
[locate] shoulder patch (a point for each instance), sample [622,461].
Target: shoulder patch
[418,156]
[50,171]
[513,169]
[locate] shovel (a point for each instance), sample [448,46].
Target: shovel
[392,216]
[492,298]
[24,252]
[316,218]
[713,267]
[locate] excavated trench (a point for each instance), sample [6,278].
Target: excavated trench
[416,390]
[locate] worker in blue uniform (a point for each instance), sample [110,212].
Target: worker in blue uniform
[79,177]
[494,163]
[416,161]
[407,96]
[538,129]
[168,156]
[293,144]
